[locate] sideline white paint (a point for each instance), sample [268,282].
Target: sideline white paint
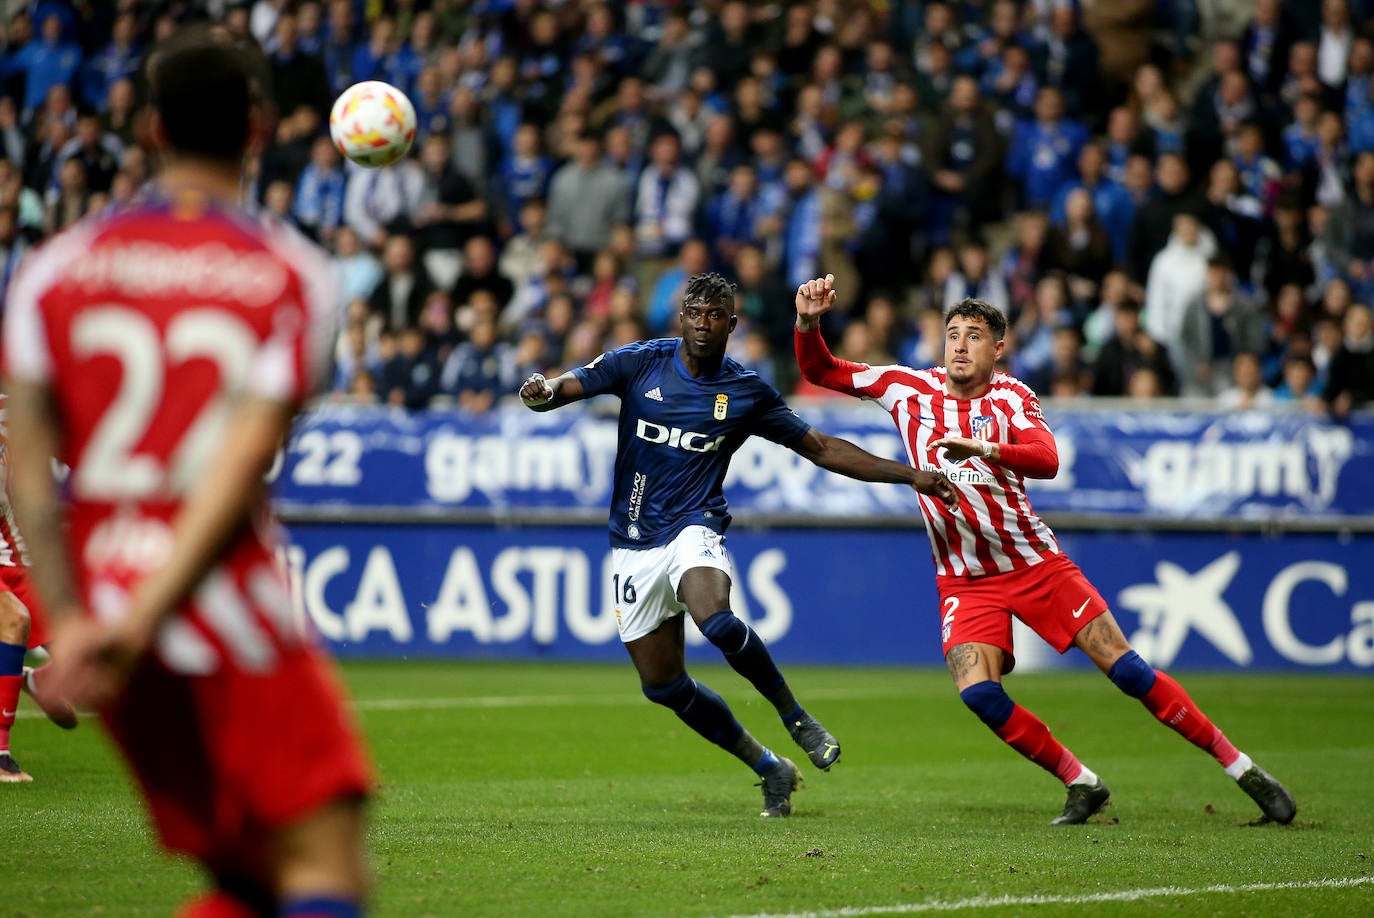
[1125,895]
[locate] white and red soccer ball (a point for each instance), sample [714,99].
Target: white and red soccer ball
[372,123]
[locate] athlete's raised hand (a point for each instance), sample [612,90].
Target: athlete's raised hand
[936,485]
[536,391]
[814,299]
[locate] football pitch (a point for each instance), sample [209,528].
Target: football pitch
[551,789]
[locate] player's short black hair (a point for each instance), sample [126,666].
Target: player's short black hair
[981,310]
[710,288]
[204,85]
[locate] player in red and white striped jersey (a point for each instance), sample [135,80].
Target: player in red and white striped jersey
[995,558]
[161,352]
[22,627]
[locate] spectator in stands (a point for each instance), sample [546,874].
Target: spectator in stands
[481,273]
[1177,275]
[1112,204]
[974,276]
[117,60]
[1299,384]
[355,354]
[731,218]
[448,211]
[298,78]
[1129,351]
[358,269]
[411,378]
[798,224]
[1154,222]
[665,200]
[481,369]
[587,199]
[319,195]
[1247,391]
[1025,261]
[1050,310]
[964,156]
[1043,152]
[400,294]
[524,174]
[1350,379]
[1218,324]
[13,244]
[68,202]
[117,113]
[520,258]
[381,202]
[1080,248]
[45,61]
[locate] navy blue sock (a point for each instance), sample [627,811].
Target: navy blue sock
[12,659]
[768,763]
[699,708]
[745,651]
[320,907]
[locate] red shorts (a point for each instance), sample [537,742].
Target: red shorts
[1053,598]
[16,580]
[224,759]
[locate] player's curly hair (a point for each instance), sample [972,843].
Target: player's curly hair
[973,308]
[710,288]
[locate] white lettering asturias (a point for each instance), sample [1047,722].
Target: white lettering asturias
[525,593]
[676,437]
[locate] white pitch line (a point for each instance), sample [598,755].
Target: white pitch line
[628,697]
[1125,895]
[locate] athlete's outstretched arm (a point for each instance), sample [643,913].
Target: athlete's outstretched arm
[540,394]
[846,459]
[32,445]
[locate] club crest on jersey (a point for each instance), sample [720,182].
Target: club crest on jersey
[722,406]
[982,426]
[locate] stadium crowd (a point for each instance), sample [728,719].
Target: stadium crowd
[1156,216]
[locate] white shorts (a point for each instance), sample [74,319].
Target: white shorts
[645,580]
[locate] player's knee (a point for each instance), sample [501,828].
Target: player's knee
[676,695]
[989,701]
[1132,674]
[726,631]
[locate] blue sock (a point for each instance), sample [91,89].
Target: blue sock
[793,715]
[768,764]
[12,659]
[699,708]
[320,907]
[745,651]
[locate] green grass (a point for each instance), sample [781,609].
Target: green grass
[554,789]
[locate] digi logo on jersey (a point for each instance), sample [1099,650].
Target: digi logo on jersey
[676,437]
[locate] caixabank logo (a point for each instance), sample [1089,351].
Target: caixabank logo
[1252,612]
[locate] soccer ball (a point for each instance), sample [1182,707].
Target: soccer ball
[372,123]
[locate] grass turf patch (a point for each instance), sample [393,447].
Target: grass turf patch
[547,789]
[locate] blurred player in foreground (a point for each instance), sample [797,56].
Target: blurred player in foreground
[161,352]
[995,558]
[685,409]
[22,628]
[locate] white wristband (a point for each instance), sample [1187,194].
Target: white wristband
[985,446]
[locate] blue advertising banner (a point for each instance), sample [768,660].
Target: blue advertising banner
[1156,464]
[827,595]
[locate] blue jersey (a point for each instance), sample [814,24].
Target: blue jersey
[677,435]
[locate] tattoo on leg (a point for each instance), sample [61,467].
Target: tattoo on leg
[961,659]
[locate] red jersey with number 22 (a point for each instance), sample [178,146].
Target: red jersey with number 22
[146,325]
[994,530]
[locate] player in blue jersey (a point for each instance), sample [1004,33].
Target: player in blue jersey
[685,409]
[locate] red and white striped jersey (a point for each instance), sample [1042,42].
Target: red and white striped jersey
[12,552]
[146,325]
[994,530]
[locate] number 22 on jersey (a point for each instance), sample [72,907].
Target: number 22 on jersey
[111,467]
